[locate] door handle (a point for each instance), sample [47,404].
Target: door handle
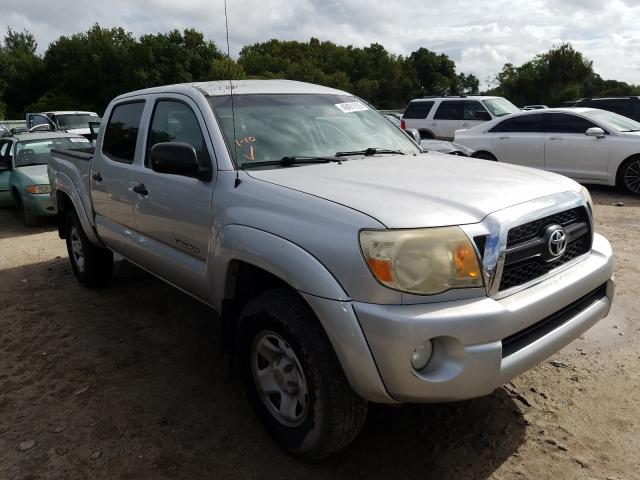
[140,189]
[555,138]
[503,138]
[97,177]
[465,124]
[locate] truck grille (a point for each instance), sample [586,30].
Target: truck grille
[527,255]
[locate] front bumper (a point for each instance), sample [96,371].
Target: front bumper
[39,204]
[468,359]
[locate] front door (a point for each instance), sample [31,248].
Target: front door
[37,119]
[569,151]
[173,212]
[520,140]
[6,199]
[111,177]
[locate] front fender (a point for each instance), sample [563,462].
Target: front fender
[64,186]
[276,255]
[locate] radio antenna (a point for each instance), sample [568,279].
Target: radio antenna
[233,112]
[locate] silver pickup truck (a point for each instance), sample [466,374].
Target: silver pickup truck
[346,265]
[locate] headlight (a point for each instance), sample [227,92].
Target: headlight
[584,193]
[38,189]
[424,261]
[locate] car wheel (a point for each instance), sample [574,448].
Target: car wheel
[293,379]
[629,175]
[425,135]
[484,156]
[28,218]
[92,265]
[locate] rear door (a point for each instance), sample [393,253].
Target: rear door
[111,176]
[520,140]
[447,119]
[569,151]
[5,173]
[173,212]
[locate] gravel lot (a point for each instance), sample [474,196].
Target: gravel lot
[127,383]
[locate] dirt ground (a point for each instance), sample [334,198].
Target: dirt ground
[127,383]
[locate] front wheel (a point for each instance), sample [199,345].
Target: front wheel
[484,156]
[629,175]
[28,218]
[293,379]
[92,265]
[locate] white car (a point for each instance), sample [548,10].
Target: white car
[586,144]
[440,117]
[78,122]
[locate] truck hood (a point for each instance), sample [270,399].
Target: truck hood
[34,174]
[426,190]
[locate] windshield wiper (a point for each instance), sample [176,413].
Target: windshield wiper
[29,165]
[292,160]
[369,152]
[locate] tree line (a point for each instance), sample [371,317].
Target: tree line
[84,71]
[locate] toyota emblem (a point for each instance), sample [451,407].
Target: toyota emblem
[557,240]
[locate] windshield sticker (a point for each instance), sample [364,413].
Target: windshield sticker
[79,140]
[246,141]
[352,107]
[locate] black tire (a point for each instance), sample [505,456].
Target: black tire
[28,218]
[425,135]
[482,155]
[629,175]
[92,265]
[334,414]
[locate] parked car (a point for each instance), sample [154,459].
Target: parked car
[394,118]
[77,122]
[346,266]
[443,146]
[588,145]
[534,107]
[626,106]
[23,171]
[440,117]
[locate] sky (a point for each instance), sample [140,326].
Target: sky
[479,35]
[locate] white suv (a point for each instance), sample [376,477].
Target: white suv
[440,117]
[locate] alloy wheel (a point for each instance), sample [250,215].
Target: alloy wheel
[76,248]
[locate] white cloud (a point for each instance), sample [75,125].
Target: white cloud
[479,35]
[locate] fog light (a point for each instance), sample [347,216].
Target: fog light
[421,355]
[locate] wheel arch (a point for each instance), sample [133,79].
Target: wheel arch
[67,199]
[618,179]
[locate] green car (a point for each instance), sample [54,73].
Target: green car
[23,170]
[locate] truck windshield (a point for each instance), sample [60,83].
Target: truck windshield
[73,121]
[272,127]
[499,107]
[36,152]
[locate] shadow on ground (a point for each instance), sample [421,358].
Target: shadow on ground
[127,382]
[11,225]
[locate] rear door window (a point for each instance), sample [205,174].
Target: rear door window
[521,124]
[450,110]
[565,123]
[418,110]
[121,134]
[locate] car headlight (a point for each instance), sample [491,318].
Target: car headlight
[38,189]
[422,261]
[584,193]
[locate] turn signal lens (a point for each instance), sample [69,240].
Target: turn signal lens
[425,261]
[38,189]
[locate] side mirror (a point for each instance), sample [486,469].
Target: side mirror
[484,116]
[413,134]
[177,158]
[595,132]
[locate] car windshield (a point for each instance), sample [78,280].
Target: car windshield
[72,121]
[271,127]
[499,107]
[36,152]
[613,120]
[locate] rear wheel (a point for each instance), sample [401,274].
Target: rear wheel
[293,379]
[28,218]
[426,135]
[629,175]
[484,156]
[92,265]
